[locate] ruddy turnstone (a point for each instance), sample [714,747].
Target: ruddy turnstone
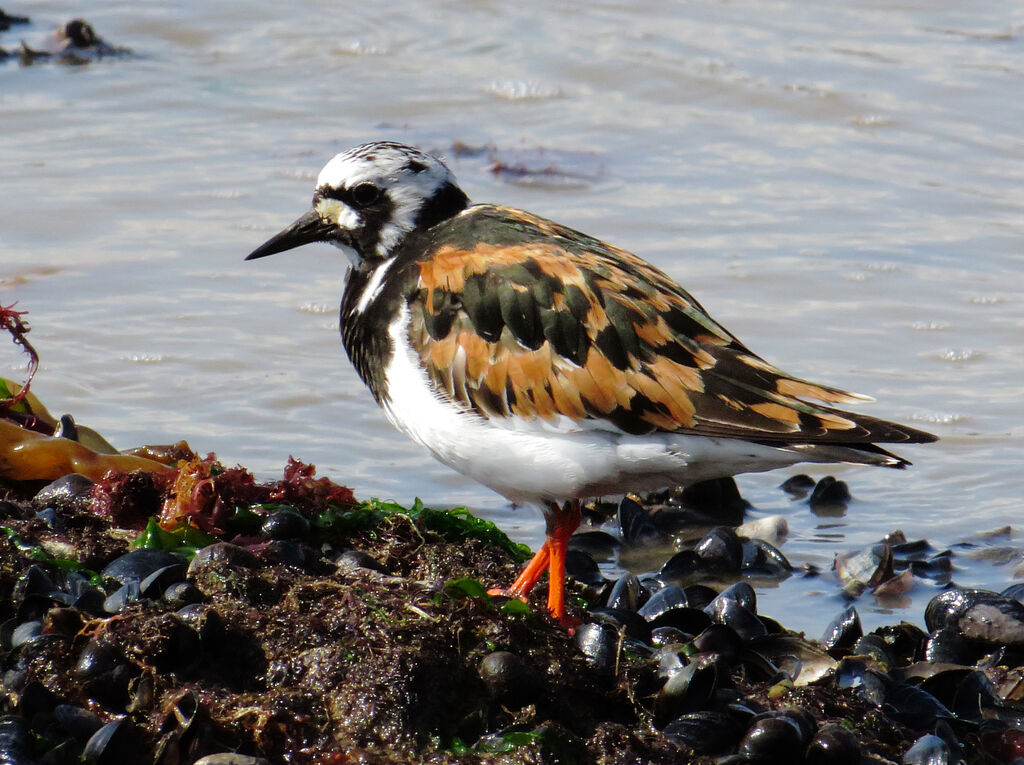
[549,365]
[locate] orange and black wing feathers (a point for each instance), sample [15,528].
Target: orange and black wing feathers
[514,315]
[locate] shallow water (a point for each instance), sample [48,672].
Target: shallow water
[840,186]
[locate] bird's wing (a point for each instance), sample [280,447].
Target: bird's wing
[516,316]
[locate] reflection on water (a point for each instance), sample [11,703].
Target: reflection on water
[839,185]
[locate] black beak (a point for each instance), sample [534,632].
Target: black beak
[309,228]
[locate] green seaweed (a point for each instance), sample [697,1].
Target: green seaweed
[184,540]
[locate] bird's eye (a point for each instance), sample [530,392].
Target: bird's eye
[365,194]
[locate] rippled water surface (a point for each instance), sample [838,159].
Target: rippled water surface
[842,185]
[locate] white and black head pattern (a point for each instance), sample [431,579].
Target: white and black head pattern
[369,198]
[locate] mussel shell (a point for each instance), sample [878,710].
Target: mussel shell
[686,691]
[704,732]
[798,485]
[829,493]
[948,646]
[814,663]
[844,630]
[636,526]
[742,620]
[774,739]
[863,569]
[930,750]
[875,647]
[138,564]
[582,567]
[833,745]
[764,559]
[914,707]
[15,740]
[741,592]
[286,523]
[978,615]
[115,743]
[509,679]
[625,593]
[716,498]
[721,551]
[600,644]
[628,623]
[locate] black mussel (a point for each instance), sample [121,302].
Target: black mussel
[78,723]
[721,551]
[625,593]
[938,568]
[600,644]
[286,523]
[219,555]
[833,745]
[671,660]
[35,699]
[741,592]
[629,623]
[969,694]
[1014,592]
[718,498]
[138,564]
[798,485]
[49,516]
[582,567]
[704,732]
[699,595]
[182,594]
[864,569]
[843,631]
[930,750]
[291,552]
[682,568]
[63,621]
[875,647]
[26,632]
[32,607]
[914,707]
[510,680]
[860,675]
[915,550]
[742,620]
[175,646]
[359,559]
[115,743]
[35,581]
[947,646]
[231,758]
[905,641]
[691,620]
[804,661]
[720,639]
[65,489]
[152,587]
[636,526]
[688,690]
[774,738]
[15,740]
[105,673]
[663,636]
[595,542]
[128,593]
[978,615]
[760,558]
[664,599]
[829,495]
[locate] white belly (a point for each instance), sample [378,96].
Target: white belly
[535,461]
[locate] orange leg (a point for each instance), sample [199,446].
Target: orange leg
[561,524]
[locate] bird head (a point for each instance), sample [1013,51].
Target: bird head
[369,199]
